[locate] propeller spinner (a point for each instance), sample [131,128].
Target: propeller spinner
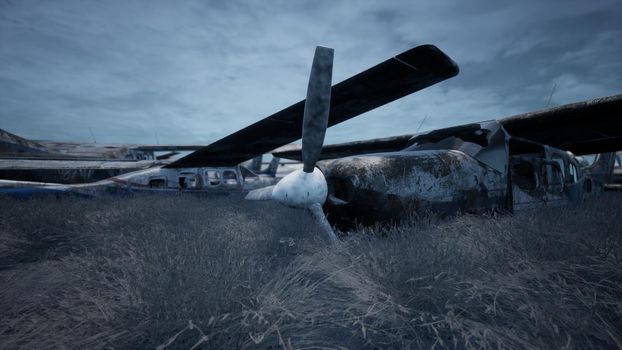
[306,188]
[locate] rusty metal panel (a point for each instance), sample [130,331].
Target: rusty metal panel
[387,187]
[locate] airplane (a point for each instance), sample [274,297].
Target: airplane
[75,162]
[348,199]
[507,164]
[220,167]
[28,162]
[16,147]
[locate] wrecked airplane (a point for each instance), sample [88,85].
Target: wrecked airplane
[492,165]
[508,164]
[24,160]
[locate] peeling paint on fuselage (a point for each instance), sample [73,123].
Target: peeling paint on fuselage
[390,186]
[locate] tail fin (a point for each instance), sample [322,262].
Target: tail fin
[256,164]
[252,168]
[274,166]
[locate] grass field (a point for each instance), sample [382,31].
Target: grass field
[184,272]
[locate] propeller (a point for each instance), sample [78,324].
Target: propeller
[306,188]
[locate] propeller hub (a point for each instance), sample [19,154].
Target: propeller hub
[300,189]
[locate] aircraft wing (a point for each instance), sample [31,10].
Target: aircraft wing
[84,150]
[587,127]
[390,80]
[340,150]
[166,148]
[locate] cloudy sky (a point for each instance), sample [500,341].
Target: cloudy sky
[193,71]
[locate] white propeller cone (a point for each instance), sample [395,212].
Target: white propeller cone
[300,189]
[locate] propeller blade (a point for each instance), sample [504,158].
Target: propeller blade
[317,105]
[260,194]
[306,188]
[318,214]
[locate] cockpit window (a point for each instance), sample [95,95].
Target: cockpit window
[557,159]
[552,177]
[524,175]
[574,176]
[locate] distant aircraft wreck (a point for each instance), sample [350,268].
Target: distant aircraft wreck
[17,147]
[507,164]
[76,162]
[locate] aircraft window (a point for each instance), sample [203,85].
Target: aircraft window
[157,183]
[182,183]
[560,162]
[213,177]
[188,181]
[552,177]
[524,175]
[229,177]
[574,176]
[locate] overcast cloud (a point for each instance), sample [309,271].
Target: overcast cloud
[194,71]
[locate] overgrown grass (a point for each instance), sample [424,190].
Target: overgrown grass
[178,272]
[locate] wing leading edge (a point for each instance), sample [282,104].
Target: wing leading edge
[586,127]
[388,81]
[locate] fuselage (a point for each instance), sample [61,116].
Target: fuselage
[386,187]
[474,168]
[213,180]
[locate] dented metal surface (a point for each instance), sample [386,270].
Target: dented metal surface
[461,169]
[387,187]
